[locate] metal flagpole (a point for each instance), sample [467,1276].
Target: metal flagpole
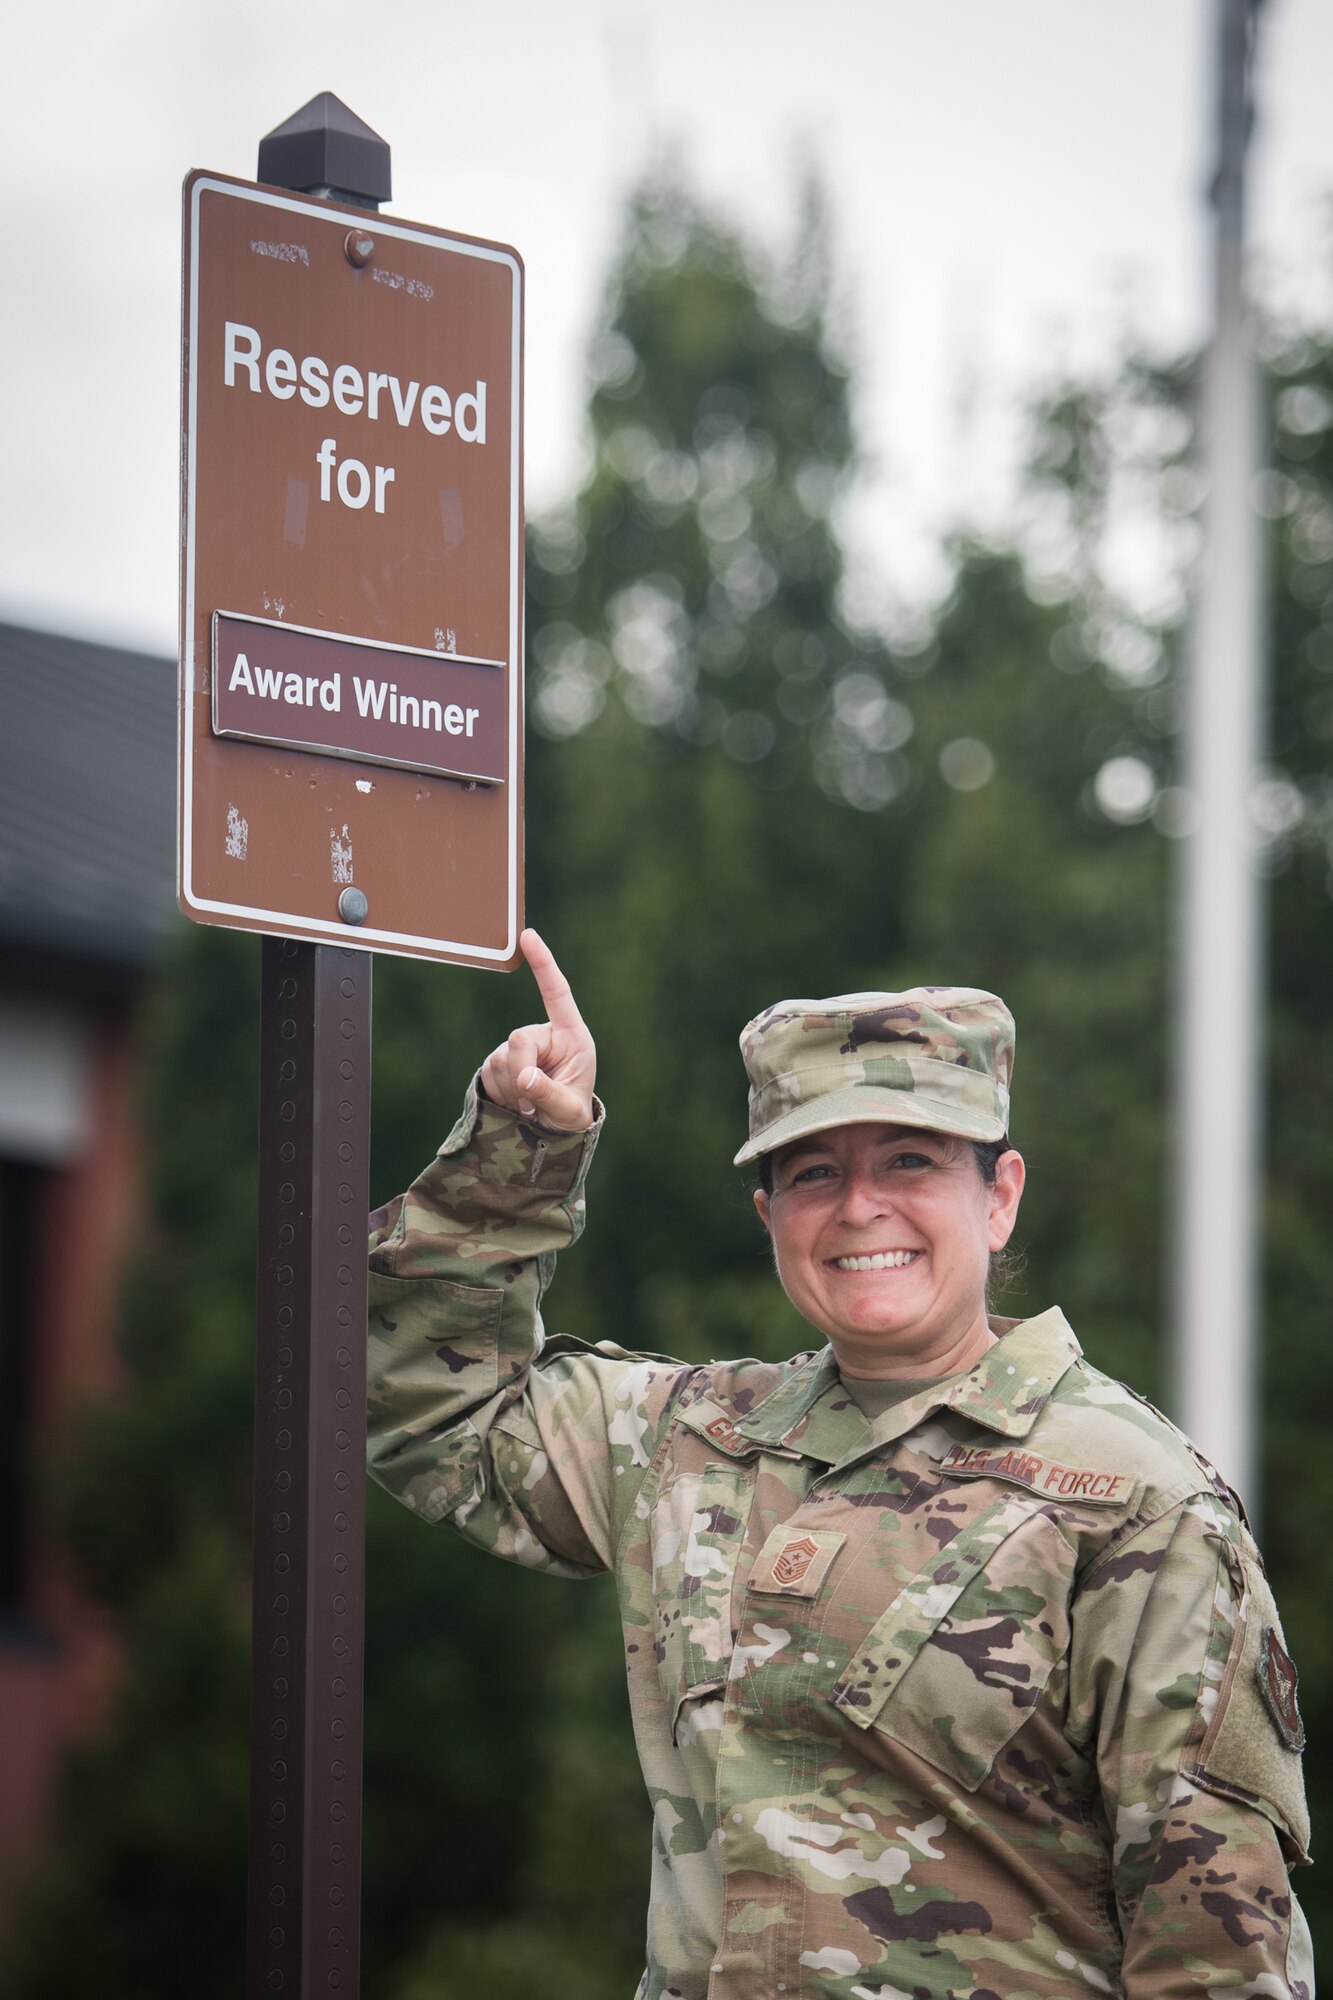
[1220,921]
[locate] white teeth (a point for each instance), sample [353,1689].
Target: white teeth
[882,1260]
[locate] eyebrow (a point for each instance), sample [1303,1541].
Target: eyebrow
[814,1147]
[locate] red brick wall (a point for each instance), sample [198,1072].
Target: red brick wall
[55,1679]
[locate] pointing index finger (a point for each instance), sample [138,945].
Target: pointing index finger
[557,997]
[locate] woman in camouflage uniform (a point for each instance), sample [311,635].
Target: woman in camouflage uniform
[953,1667]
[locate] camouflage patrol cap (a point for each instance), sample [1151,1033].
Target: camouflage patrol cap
[936,1057]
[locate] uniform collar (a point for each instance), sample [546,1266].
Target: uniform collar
[812,1413]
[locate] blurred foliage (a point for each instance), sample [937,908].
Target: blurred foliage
[733,795]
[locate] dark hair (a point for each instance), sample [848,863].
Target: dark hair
[1006,1265]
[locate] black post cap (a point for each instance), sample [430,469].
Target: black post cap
[326,146]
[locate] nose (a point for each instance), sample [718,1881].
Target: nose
[863,1199]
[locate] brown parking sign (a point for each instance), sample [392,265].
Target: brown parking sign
[352,561]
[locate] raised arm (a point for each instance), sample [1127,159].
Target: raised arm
[466,1423]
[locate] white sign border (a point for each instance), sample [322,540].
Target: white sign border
[406,943]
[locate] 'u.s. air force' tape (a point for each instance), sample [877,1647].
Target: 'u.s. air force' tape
[1042,1475]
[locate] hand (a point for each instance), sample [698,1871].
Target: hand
[546,1070]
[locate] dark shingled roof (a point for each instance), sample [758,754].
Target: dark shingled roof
[87,802]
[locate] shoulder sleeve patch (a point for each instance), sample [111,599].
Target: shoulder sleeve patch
[1276,1675]
[1251,1749]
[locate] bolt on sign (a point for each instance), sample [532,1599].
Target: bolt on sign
[352,569]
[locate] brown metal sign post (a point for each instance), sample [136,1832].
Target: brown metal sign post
[308,1580]
[350,767]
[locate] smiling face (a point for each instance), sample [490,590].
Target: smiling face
[882,1237]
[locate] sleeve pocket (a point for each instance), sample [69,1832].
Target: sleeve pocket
[1250,1751]
[960,1659]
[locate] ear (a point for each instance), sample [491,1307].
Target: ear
[761,1209]
[1005,1195]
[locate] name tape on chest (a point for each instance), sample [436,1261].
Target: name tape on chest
[1040,1475]
[725,1435]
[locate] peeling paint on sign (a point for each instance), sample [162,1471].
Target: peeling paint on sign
[238,834]
[340,852]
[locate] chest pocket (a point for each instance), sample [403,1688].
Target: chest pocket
[961,1658]
[698,1528]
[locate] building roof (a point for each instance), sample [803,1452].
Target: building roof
[87,802]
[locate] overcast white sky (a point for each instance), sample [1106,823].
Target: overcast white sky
[1013,182]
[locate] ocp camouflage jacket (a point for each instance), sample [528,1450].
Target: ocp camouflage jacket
[987,1698]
